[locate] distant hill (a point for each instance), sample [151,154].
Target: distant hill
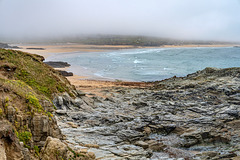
[131,40]
[141,41]
[119,40]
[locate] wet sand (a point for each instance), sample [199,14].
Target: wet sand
[100,87]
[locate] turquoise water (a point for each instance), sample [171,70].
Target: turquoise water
[148,64]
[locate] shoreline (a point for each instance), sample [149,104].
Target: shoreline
[90,84]
[48,50]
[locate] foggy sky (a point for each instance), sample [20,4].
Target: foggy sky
[181,19]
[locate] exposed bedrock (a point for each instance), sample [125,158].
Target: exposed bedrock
[194,117]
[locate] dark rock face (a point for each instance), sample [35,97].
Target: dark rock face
[57,64]
[36,48]
[4,45]
[65,73]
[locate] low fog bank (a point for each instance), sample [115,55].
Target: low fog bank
[122,40]
[111,39]
[70,20]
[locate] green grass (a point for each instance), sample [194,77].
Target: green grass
[24,137]
[29,79]
[28,85]
[33,100]
[31,70]
[37,150]
[26,93]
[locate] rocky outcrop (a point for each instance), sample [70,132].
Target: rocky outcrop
[26,111]
[54,149]
[65,73]
[10,148]
[34,48]
[42,128]
[57,64]
[4,45]
[190,117]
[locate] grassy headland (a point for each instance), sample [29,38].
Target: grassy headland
[27,86]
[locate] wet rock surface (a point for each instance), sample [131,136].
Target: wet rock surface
[194,117]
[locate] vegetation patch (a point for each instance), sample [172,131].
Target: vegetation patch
[26,92]
[75,154]
[33,72]
[32,99]
[36,150]
[27,86]
[24,137]
[1,112]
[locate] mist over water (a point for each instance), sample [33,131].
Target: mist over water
[29,20]
[148,64]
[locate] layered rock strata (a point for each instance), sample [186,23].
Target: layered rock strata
[194,117]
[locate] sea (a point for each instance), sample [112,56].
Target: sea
[147,64]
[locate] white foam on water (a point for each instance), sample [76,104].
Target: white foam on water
[137,61]
[168,69]
[149,64]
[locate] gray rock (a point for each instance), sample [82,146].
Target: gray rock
[199,112]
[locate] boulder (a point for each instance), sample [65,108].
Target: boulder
[142,144]
[11,113]
[42,127]
[54,149]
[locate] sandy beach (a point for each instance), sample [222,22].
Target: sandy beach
[46,50]
[72,47]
